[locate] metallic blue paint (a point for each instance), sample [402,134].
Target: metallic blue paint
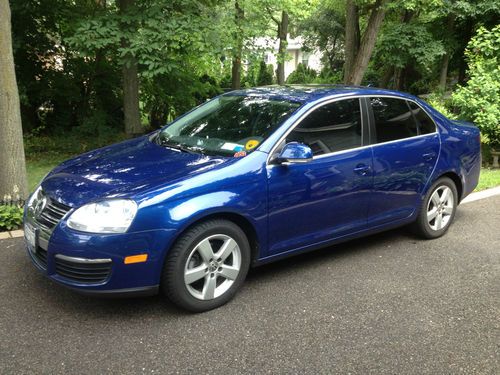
[291,208]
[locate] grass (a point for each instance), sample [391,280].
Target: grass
[38,167]
[489,178]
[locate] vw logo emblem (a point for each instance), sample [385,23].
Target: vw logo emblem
[40,206]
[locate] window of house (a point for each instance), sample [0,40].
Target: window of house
[305,59]
[425,124]
[393,119]
[332,127]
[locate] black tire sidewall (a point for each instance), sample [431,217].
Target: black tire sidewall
[173,278]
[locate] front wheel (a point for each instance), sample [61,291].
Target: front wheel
[206,266]
[438,209]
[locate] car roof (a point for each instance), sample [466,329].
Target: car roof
[310,93]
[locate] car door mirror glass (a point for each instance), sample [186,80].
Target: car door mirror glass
[295,152]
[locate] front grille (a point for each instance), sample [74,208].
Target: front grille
[40,256]
[52,213]
[81,271]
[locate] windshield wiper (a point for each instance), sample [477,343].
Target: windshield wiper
[177,146]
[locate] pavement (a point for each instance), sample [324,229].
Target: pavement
[386,304]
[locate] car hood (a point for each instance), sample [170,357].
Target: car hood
[124,169]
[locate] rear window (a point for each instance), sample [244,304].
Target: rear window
[393,119]
[425,123]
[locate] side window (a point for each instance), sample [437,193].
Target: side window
[393,119]
[332,127]
[425,124]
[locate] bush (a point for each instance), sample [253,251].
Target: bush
[265,74]
[442,104]
[11,217]
[479,99]
[302,74]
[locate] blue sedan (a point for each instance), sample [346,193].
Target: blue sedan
[247,178]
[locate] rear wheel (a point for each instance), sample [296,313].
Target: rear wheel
[206,266]
[438,209]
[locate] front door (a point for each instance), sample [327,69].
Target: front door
[314,202]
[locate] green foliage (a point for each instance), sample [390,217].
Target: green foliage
[264,75]
[401,44]
[59,88]
[69,57]
[442,104]
[479,99]
[11,217]
[302,74]
[324,30]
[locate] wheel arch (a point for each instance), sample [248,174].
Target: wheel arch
[456,180]
[245,224]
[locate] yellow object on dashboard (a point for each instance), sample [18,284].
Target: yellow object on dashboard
[251,144]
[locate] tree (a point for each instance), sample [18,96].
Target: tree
[238,48]
[129,69]
[406,48]
[282,13]
[265,74]
[352,38]
[367,44]
[479,99]
[324,30]
[13,182]
[282,37]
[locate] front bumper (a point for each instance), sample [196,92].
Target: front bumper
[93,263]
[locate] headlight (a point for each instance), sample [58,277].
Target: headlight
[112,216]
[36,195]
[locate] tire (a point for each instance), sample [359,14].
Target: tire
[438,209]
[206,266]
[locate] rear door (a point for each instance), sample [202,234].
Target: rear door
[406,146]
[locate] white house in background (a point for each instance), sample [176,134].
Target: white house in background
[294,51]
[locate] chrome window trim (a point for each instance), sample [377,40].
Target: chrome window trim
[331,100]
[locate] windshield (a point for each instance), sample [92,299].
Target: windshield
[228,125]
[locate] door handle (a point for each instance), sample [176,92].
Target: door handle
[429,156]
[362,169]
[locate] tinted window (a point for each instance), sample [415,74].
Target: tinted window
[331,127]
[393,119]
[425,124]
[228,125]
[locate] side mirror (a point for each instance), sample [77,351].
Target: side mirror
[295,152]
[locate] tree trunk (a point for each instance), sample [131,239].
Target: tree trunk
[282,35]
[13,182]
[444,72]
[351,37]
[462,68]
[236,67]
[386,78]
[130,84]
[446,58]
[368,43]
[398,78]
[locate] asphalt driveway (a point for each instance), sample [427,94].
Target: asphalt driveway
[389,303]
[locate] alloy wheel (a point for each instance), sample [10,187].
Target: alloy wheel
[212,267]
[440,208]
